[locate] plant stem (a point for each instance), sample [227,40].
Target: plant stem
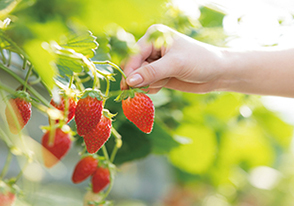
[13,44]
[114,151]
[31,89]
[24,64]
[3,56]
[105,152]
[6,166]
[9,58]
[71,81]
[7,89]
[4,137]
[117,145]
[106,91]
[21,172]
[79,84]
[111,64]
[27,77]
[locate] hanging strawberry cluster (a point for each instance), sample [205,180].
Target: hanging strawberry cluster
[79,99]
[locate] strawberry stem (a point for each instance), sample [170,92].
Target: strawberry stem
[31,89]
[27,77]
[7,89]
[21,171]
[9,58]
[6,139]
[6,166]
[24,64]
[113,65]
[79,83]
[3,56]
[71,81]
[117,145]
[104,150]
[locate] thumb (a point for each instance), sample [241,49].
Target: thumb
[150,73]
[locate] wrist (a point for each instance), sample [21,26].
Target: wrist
[231,76]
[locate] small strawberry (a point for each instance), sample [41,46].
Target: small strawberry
[61,106]
[88,111]
[84,168]
[100,179]
[139,110]
[95,139]
[7,199]
[55,150]
[7,194]
[18,112]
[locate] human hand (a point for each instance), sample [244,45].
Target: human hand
[185,64]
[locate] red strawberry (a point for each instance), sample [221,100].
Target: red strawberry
[84,168]
[18,112]
[7,193]
[139,110]
[53,152]
[7,199]
[88,111]
[61,106]
[95,139]
[100,179]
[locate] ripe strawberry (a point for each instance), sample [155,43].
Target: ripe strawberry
[100,179]
[95,139]
[7,199]
[7,193]
[84,168]
[53,152]
[61,106]
[18,112]
[88,111]
[139,110]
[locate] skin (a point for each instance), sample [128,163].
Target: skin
[191,66]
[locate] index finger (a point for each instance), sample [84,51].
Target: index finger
[146,51]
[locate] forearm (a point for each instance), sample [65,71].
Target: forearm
[265,72]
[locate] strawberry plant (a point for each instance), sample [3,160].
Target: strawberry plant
[65,120]
[79,87]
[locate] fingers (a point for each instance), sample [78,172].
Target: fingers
[146,51]
[151,73]
[199,88]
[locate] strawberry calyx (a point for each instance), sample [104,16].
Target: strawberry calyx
[107,114]
[95,156]
[129,93]
[52,128]
[9,186]
[22,95]
[94,93]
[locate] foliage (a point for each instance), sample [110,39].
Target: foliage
[214,140]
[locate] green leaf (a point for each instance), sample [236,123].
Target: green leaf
[42,61]
[6,7]
[7,43]
[84,43]
[247,144]
[162,142]
[135,144]
[198,155]
[67,66]
[210,17]
[274,127]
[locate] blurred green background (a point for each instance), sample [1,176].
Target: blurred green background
[215,149]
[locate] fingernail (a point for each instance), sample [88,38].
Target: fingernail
[135,80]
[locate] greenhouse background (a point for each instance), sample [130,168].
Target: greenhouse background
[210,149]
